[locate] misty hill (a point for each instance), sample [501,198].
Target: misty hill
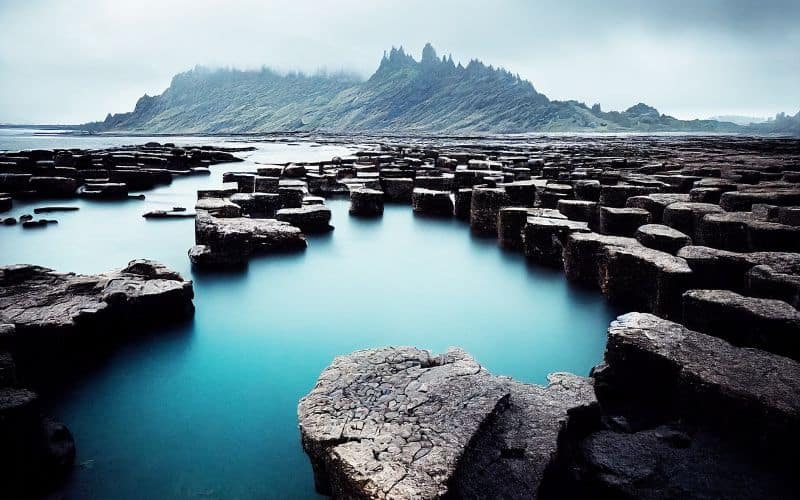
[404,95]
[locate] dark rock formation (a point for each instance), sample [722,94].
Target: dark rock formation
[426,201]
[230,241]
[309,218]
[366,202]
[660,237]
[769,324]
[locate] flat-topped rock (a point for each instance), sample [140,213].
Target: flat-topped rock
[686,217]
[578,210]
[309,218]
[218,207]
[427,201]
[397,189]
[656,203]
[37,299]
[231,240]
[622,221]
[697,376]
[543,238]
[769,324]
[485,204]
[402,423]
[643,279]
[366,202]
[660,237]
[617,195]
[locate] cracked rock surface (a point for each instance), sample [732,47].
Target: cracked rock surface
[40,299]
[402,423]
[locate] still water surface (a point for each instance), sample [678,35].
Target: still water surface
[207,409]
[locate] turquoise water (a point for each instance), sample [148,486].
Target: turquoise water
[207,409]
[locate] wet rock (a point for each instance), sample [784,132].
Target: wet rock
[167,214]
[426,201]
[309,218]
[742,232]
[660,237]
[38,223]
[47,210]
[9,221]
[366,202]
[104,190]
[401,423]
[397,189]
[485,206]
[622,221]
[768,324]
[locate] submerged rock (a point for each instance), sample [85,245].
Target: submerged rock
[366,202]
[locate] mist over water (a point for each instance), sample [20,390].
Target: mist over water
[207,409]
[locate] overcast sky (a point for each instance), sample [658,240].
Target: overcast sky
[68,61]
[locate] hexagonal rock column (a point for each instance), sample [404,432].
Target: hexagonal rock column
[656,203]
[397,189]
[463,203]
[485,205]
[510,222]
[772,325]
[426,201]
[543,238]
[402,423]
[686,217]
[309,218]
[699,376]
[660,237]
[622,221]
[366,202]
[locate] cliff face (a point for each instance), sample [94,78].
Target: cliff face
[430,95]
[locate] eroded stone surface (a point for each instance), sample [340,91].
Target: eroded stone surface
[397,423]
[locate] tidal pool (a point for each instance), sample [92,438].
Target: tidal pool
[207,409]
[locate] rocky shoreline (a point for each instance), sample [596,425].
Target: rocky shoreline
[44,315]
[699,392]
[698,395]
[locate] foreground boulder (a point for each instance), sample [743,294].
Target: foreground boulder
[401,423]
